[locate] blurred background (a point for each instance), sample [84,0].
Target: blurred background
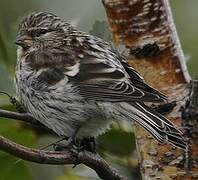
[88,16]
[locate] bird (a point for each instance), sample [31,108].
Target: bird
[77,84]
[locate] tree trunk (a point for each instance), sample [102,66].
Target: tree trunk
[147,31]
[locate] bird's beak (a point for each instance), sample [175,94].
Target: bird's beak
[23,41]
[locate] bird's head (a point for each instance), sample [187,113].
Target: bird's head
[40,33]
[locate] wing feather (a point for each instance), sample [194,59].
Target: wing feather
[104,75]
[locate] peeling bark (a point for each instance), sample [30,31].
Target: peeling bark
[147,30]
[190,121]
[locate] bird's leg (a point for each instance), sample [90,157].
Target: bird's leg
[93,141]
[88,144]
[71,142]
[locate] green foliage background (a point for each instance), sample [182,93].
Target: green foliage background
[118,145]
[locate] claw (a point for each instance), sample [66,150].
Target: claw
[61,147]
[89,144]
[75,153]
[73,146]
[71,143]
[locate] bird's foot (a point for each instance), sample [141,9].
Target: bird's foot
[87,144]
[72,147]
[71,143]
[76,146]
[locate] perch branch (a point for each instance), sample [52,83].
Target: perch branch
[94,161]
[91,160]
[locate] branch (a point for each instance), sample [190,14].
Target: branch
[26,117]
[91,160]
[94,161]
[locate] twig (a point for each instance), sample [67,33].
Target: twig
[26,117]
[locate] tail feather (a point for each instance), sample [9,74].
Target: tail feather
[160,127]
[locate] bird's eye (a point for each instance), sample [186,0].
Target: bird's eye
[43,31]
[39,32]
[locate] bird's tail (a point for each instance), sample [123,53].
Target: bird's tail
[160,127]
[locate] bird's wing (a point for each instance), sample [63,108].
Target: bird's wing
[101,75]
[138,81]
